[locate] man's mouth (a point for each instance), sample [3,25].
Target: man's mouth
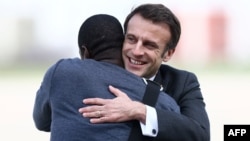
[135,62]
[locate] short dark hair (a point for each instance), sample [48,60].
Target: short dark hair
[158,13]
[100,33]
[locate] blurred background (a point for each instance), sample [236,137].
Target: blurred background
[35,34]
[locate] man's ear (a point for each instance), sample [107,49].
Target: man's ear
[168,55]
[84,52]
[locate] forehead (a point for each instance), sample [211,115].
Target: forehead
[147,30]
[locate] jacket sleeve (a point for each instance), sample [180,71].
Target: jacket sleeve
[193,123]
[42,107]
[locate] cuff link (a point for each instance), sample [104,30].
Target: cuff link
[154,131]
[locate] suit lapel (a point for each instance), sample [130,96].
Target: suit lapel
[161,78]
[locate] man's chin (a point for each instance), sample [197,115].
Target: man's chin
[138,74]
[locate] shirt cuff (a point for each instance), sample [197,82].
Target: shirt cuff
[151,126]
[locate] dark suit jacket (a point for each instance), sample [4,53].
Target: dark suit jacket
[193,123]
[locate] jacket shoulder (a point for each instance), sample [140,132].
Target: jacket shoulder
[175,81]
[166,69]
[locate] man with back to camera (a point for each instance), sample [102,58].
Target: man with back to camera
[70,80]
[152,32]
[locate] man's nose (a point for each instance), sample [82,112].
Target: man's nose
[138,49]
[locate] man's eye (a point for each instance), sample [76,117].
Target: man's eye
[131,39]
[151,46]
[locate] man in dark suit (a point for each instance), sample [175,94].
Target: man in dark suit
[152,32]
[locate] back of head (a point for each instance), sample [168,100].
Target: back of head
[103,37]
[158,13]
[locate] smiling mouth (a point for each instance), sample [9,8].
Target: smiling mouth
[135,62]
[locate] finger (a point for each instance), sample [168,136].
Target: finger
[94,101]
[85,110]
[96,114]
[99,120]
[80,110]
[92,108]
[116,91]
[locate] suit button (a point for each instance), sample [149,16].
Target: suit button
[153,131]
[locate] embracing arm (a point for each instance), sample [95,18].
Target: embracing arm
[122,108]
[192,124]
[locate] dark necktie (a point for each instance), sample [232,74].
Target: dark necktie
[150,97]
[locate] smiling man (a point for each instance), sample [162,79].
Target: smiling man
[144,47]
[152,32]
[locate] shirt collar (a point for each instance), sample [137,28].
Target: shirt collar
[151,78]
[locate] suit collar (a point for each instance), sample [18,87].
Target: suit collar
[161,78]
